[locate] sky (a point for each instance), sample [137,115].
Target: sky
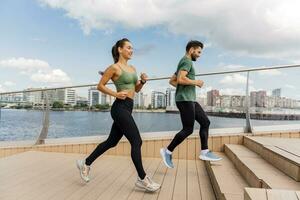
[49,43]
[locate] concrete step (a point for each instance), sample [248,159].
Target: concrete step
[228,184]
[283,153]
[267,194]
[258,172]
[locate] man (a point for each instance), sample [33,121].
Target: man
[190,110]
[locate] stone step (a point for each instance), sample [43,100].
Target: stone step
[283,153]
[228,184]
[257,172]
[267,194]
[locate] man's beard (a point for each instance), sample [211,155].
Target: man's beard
[194,58]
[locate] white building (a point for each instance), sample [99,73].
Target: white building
[170,97]
[139,100]
[96,97]
[70,97]
[158,99]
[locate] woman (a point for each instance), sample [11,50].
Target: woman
[127,83]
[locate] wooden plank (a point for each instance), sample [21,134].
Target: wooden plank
[224,140]
[158,145]
[60,188]
[128,186]
[101,168]
[254,193]
[118,183]
[281,195]
[206,189]
[191,148]
[92,191]
[180,192]
[182,149]
[166,192]
[193,187]
[150,148]
[216,144]
[159,178]
[136,193]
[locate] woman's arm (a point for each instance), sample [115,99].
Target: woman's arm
[140,83]
[106,76]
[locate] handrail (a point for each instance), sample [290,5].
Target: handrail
[248,128]
[163,78]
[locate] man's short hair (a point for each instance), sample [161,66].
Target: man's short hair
[194,44]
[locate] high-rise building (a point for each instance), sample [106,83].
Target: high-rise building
[276,92]
[212,97]
[170,97]
[139,100]
[70,97]
[158,99]
[95,97]
[258,98]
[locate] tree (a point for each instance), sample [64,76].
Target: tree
[58,104]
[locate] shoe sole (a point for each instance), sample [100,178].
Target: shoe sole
[143,187]
[78,166]
[209,159]
[164,159]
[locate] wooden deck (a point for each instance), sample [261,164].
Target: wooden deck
[47,175]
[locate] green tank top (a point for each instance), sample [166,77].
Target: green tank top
[126,81]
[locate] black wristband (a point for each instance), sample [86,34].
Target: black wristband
[143,82]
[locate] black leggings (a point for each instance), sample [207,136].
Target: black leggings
[123,125]
[189,112]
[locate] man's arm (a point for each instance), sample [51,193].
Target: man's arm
[173,80]
[182,79]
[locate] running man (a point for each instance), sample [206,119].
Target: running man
[190,110]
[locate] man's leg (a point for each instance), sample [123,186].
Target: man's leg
[187,115]
[204,122]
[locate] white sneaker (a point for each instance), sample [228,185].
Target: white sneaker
[147,183]
[84,170]
[210,156]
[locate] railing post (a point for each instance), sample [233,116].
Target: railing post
[248,128]
[44,132]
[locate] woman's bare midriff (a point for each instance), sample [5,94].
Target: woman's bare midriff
[130,93]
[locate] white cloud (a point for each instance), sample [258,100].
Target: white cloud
[234,67]
[262,28]
[38,71]
[53,76]
[273,72]
[290,86]
[232,91]
[235,79]
[9,83]
[24,65]
[2,88]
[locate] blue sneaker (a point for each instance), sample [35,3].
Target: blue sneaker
[210,156]
[167,158]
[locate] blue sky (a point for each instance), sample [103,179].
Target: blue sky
[55,42]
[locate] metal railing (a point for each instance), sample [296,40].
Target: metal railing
[248,128]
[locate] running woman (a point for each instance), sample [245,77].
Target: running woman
[190,110]
[127,84]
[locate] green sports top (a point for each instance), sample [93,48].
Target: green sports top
[126,81]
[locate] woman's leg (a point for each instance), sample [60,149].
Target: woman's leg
[126,124]
[112,140]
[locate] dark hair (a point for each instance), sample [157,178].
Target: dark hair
[194,44]
[114,50]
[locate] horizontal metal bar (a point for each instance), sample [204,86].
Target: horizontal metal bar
[163,78]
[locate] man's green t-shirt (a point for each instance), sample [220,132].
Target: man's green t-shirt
[186,92]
